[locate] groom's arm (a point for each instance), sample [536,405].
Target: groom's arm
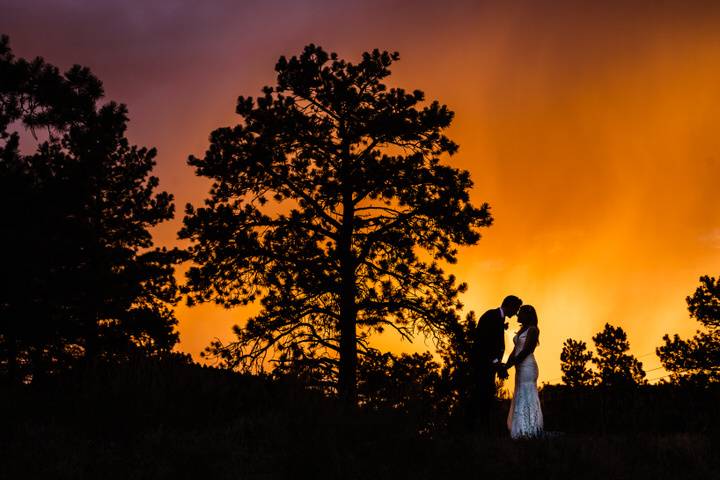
[483,332]
[500,339]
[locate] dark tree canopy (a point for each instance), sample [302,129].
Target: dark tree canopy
[697,360]
[574,360]
[81,277]
[616,367]
[330,205]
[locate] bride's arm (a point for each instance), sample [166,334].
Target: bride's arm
[528,348]
[507,362]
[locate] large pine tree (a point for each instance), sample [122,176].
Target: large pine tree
[331,206]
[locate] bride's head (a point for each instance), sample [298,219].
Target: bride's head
[527,316]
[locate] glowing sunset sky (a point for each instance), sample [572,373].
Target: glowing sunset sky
[592,131]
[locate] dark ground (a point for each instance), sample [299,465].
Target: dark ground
[153,420]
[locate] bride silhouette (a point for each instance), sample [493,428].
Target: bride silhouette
[525,418]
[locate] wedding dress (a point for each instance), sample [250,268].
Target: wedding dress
[525,418]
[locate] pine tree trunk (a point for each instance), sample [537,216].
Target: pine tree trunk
[347,375]
[348,339]
[348,346]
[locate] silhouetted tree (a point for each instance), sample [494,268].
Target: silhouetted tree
[455,353]
[80,275]
[574,360]
[697,359]
[323,197]
[616,367]
[34,234]
[130,285]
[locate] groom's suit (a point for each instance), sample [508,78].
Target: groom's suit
[488,347]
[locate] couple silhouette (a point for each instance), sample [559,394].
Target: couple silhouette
[487,350]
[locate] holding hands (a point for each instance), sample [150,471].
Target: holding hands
[502,371]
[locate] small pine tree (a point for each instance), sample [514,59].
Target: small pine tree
[574,364]
[616,367]
[697,360]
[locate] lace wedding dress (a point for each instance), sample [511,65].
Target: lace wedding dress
[525,418]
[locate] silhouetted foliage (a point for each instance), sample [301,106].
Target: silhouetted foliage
[574,360]
[37,94]
[455,354]
[303,368]
[323,197]
[409,385]
[697,360]
[80,275]
[616,367]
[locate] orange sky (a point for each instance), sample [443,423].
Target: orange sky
[592,132]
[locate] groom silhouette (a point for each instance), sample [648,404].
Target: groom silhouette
[487,349]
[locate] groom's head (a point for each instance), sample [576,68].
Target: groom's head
[511,305]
